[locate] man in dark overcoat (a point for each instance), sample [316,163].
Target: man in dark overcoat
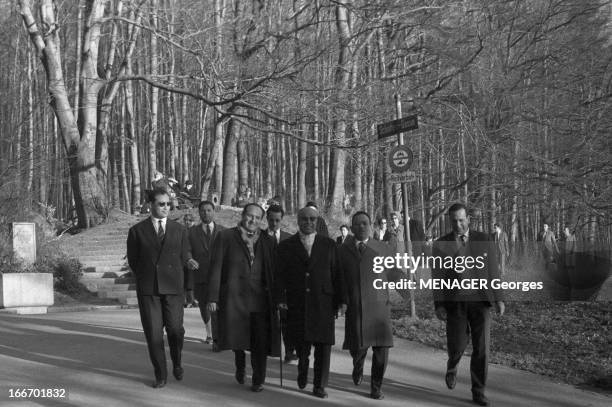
[368,312]
[310,288]
[158,254]
[240,283]
[200,239]
[466,309]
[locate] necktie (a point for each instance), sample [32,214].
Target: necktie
[361,247]
[208,232]
[463,239]
[160,231]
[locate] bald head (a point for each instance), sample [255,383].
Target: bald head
[307,220]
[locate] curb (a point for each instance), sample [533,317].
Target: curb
[84,308]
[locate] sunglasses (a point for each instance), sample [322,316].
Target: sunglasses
[162,204]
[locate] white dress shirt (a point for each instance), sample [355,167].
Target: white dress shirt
[156,224]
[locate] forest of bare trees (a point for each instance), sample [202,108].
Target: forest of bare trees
[283,96]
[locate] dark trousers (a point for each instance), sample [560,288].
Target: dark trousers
[463,318]
[289,347]
[260,342]
[204,312]
[380,356]
[322,355]
[199,292]
[157,312]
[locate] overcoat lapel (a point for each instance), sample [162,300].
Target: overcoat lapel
[302,254]
[238,238]
[351,245]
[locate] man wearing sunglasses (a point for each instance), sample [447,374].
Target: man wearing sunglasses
[158,252]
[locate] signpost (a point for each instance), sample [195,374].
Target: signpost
[397,126]
[400,160]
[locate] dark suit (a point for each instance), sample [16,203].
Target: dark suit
[289,347]
[340,241]
[159,268]
[201,245]
[390,237]
[283,236]
[368,312]
[312,288]
[243,292]
[468,311]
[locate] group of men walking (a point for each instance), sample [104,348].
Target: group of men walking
[256,281]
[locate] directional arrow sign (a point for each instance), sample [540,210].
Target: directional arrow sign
[400,159]
[397,126]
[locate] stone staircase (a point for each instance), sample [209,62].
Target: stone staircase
[102,252]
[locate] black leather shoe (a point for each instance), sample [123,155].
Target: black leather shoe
[451,380]
[240,376]
[357,376]
[319,392]
[178,373]
[302,381]
[377,395]
[480,399]
[256,388]
[159,383]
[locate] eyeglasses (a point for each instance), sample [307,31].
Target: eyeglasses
[162,204]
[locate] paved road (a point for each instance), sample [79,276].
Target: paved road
[100,358]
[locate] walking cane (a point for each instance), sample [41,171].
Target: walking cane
[280,337]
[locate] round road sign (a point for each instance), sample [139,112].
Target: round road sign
[400,158]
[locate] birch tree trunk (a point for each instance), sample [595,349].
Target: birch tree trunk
[153,133]
[78,137]
[336,190]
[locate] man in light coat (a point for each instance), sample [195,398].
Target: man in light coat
[368,313]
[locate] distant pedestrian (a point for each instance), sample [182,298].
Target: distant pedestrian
[417,235]
[201,238]
[502,246]
[188,220]
[569,249]
[274,216]
[344,234]
[550,250]
[385,234]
